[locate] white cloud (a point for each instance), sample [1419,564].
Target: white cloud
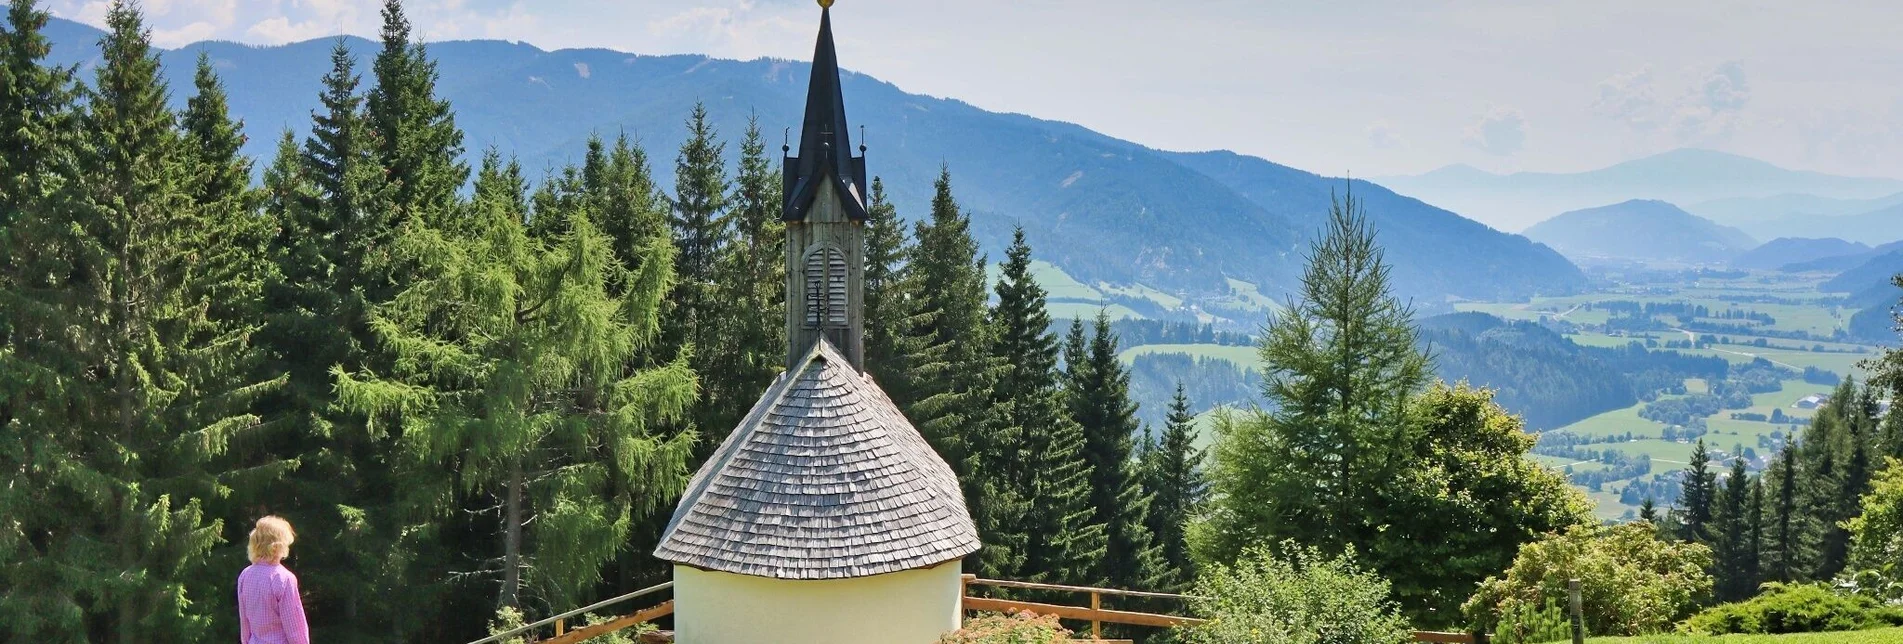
[185,35]
[1501,131]
[1382,135]
[279,30]
[1629,98]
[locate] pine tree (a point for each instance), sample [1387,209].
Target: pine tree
[1699,492]
[700,199]
[1098,393]
[1786,555]
[127,364]
[1173,477]
[1732,558]
[1341,364]
[513,374]
[890,311]
[750,292]
[1754,537]
[1648,511]
[950,380]
[38,128]
[414,132]
[1036,480]
[1820,485]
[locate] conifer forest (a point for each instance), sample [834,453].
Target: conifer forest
[476,387]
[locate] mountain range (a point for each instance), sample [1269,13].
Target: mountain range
[1104,210]
[1518,200]
[1641,230]
[1869,221]
[1785,251]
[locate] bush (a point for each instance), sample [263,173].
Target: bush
[1013,628]
[1529,624]
[1299,597]
[1631,582]
[1807,608]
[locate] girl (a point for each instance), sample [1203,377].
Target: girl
[269,609]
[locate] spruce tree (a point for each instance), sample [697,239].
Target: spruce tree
[414,131]
[1037,500]
[750,292]
[1341,363]
[949,381]
[1648,511]
[1732,553]
[1699,492]
[126,363]
[1820,484]
[889,310]
[1754,537]
[1786,555]
[513,374]
[38,128]
[1098,393]
[700,200]
[1173,475]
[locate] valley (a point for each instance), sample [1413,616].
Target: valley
[1778,331]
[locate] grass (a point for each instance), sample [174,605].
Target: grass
[1162,299]
[1251,297]
[1062,311]
[1876,636]
[1244,356]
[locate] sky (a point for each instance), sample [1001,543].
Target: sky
[1372,87]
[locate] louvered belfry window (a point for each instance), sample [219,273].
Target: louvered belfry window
[825,288]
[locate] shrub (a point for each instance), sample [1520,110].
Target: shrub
[1529,624]
[1297,597]
[1807,608]
[1013,628]
[1631,582]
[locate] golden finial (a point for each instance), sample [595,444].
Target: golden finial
[825,4]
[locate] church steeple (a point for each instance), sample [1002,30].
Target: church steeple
[825,214]
[825,138]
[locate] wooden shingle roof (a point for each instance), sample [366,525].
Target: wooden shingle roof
[824,479]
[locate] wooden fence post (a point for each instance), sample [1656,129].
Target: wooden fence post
[1096,627]
[1579,618]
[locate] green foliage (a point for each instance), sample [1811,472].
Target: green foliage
[1876,536]
[1735,552]
[123,394]
[1014,628]
[751,292]
[1172,470]
[1468,498]
[1695,501]
[513,367]
[1034,470]
[1531,624]
[1097,389]
[414,131]
[948,381]
[509,618]
[1294,595]
[1340,365]
[1631,581]
[1799,608]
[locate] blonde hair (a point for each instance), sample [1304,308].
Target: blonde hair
[271,540]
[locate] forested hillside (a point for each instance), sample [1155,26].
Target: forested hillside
[1641,230]
[1534,372]
[1110,210]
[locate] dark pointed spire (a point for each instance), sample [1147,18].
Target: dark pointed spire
[825,139]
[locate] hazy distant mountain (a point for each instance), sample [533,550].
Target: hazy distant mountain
[1870,288]
[1103,209]
[1785,251]
[1515,201]
[1412,233]
[1640,230]
[1841,263]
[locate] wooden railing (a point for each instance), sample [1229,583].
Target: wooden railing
[560,622]
[1096,614]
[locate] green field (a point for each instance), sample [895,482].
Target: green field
[1244,356]
[1063,311]
[1877,636]
[1162,299]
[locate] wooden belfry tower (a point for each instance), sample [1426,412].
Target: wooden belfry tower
[824,517]
[825,215]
